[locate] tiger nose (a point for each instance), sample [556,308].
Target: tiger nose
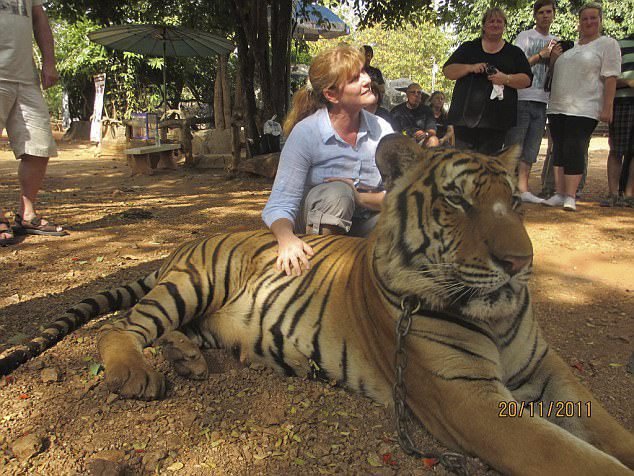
[514,264]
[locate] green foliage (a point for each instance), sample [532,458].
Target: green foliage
[408,51]
[618,18]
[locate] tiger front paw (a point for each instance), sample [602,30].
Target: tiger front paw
[127,372]
[135,380]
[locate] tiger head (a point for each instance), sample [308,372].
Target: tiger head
[450,231]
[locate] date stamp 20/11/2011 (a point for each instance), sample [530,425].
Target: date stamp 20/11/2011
[554,409]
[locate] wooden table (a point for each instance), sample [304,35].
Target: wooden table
[144,160]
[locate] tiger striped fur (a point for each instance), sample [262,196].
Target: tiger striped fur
[450,234]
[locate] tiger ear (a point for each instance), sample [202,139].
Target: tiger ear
[510,159]
[395,155]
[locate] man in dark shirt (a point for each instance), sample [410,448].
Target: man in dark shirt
[415,119]
[374,73]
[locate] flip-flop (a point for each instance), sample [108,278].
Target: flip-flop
[9,231]
[36,227]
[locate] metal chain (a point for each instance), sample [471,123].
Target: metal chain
[453,462]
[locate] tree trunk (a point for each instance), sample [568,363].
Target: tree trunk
[253,49]
[226,91]
[281,13]
[219,118]
[247,67]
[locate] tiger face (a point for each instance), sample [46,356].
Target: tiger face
[452,223]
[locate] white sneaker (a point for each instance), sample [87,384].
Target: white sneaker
[556,200]
[528,197]
[569,204]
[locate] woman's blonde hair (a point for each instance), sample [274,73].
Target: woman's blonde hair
[593,5]
[493,11]
[330,69]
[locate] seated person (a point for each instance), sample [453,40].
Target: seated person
[327,180]
[376,108]
[444,130]
[415,119]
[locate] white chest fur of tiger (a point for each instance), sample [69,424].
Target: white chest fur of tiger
[450,234]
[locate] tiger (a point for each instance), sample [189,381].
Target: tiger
[450,235]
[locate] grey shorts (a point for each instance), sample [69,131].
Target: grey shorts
[23,112]
[529,130]
[333,203]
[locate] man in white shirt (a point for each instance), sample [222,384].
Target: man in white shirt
[23,111]
[536,43]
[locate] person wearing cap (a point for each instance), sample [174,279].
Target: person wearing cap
[414,119]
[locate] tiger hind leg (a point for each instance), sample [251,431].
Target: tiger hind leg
[184,355]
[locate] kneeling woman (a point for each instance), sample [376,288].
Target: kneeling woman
[327,181]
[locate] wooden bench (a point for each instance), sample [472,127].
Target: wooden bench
[143,160]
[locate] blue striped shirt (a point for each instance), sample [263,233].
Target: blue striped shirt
[314,152]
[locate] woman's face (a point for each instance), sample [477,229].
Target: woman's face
[494,25]
[355,93]
[438,100]
[589,23]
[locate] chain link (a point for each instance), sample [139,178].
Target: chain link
[453,462]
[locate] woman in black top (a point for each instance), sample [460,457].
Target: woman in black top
[488,72]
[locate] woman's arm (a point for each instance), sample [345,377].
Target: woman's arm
[44,39]
[517,80]
[292,253]
[456,71]
[609,89]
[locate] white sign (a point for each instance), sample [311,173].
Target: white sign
[95,124]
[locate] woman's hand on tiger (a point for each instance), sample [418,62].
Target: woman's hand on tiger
[292,256]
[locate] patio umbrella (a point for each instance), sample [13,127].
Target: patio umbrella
[313,21]
[162,41]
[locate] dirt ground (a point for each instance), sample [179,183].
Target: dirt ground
[246,420]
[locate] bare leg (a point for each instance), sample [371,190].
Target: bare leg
[524,172]
[629,187]
[31,172]
[571,182]
[614,173]
[560,186]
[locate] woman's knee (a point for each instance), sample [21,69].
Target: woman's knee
[329,205]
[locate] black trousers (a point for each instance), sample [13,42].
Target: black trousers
[571,138]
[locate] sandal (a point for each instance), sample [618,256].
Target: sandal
[5,229]
[37,227]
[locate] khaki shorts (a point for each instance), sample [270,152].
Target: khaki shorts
[333,203]
[24,114]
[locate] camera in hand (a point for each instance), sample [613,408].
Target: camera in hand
[490,69]
[566,44]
